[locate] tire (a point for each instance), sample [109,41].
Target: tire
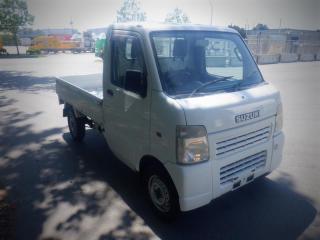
[76,127]
[161,192]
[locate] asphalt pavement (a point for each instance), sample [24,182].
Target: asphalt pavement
[64,190]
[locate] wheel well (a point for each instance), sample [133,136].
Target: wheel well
[66,109]
[148,161]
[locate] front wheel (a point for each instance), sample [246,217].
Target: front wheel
[76,127]
[162,193]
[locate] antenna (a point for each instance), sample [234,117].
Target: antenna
[211,11]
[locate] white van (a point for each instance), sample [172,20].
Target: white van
[185,106]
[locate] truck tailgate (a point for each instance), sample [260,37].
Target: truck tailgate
[84,93]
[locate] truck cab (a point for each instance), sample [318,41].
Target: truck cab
[185,106]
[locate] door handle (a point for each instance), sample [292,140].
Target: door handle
[110,92]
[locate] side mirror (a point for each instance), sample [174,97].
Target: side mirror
[135,82]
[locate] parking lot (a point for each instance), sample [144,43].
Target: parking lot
[64,190]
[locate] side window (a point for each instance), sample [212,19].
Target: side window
[163,47]
[129,48]
[127,57]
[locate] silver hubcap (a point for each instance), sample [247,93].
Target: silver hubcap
[159,193]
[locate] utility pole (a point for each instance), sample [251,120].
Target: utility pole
[280,25]
[211,11]
[247,27]
[71,24]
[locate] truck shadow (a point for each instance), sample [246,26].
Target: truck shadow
[64,190]
[265,209]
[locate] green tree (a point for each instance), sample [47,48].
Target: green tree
[177,16]
[130,11]
[261,27]
[14,15]
[7,39]
[242,31]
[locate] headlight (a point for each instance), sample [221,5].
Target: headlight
[192,144]
[279,119]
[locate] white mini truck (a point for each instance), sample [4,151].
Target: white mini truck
[185,106]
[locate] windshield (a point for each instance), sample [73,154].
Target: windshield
[201,62]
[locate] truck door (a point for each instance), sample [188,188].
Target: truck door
[126,105]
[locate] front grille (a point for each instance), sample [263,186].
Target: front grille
[232,170]
[241,142]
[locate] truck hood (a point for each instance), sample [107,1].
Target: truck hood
[219,111]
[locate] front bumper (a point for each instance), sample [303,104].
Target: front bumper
[193,183]
[277,149]
[197,184]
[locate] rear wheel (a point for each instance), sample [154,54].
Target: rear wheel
[76,126]
[161,192]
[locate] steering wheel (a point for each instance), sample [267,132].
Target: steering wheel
[178,78]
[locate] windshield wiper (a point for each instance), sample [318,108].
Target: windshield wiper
[209,83]
[243,83]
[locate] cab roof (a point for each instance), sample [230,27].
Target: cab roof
[145,27]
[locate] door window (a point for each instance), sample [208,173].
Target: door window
[127,58]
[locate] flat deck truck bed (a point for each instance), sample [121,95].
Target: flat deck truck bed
[84,93]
